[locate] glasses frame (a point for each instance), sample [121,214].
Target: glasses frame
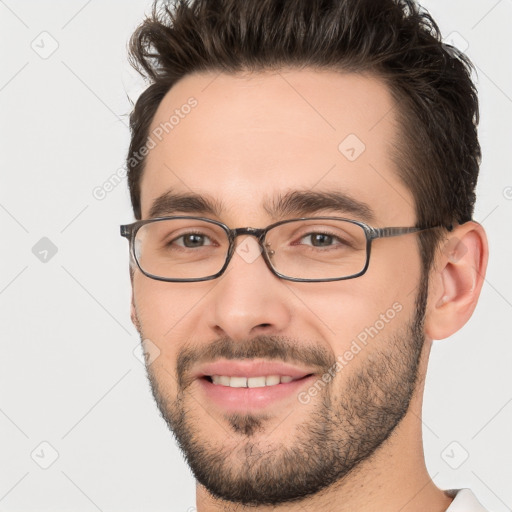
[129,231]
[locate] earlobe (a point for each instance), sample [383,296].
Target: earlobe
[456,280]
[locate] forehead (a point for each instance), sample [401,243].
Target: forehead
[242,140]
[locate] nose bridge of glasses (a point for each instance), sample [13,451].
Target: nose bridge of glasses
[256,232]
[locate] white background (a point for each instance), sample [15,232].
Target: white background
[68,373]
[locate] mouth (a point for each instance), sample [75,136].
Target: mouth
[242,386]
[252,382]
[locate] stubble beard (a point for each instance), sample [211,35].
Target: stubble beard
[341,431]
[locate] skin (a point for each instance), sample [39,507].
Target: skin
[250,138]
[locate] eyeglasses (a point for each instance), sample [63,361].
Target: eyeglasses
[315,249]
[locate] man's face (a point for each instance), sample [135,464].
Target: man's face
[352,346]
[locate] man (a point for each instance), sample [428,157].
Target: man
[280,143]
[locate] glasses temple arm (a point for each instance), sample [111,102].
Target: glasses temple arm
[392,231]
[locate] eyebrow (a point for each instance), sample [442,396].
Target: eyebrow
[172,202]
[301,203]
[296,203]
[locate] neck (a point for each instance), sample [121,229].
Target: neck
[394,479]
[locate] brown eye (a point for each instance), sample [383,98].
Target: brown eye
[320,240]
[192,240]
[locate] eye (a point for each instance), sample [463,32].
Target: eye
[192,240]
[321,240]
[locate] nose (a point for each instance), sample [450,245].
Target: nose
[249,300]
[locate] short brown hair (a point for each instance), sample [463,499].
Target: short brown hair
[438,153]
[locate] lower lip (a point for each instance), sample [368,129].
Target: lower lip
[238,399]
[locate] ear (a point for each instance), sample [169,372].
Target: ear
[133,311]
[456,279]
[133,315]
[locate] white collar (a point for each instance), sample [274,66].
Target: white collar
[465,501]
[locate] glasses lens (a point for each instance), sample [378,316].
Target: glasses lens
[181,248]
[317,249]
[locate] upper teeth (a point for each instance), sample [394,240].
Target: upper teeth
[250,382]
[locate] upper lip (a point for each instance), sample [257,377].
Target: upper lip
[252,368]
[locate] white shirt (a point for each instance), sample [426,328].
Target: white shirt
[465,501]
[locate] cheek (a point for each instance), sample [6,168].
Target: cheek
[167,312]
[342,314]
[373,305]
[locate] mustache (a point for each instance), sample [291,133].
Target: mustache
[272,348]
